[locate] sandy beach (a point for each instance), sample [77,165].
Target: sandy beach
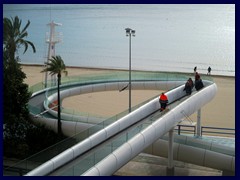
[220,112]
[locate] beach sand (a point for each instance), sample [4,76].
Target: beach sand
[220,112]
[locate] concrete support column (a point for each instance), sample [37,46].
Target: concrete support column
[228,173]
[170,168]
[199,133]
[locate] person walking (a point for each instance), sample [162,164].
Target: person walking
[198,82]
[195,69]
[197,76]
[163,101]
[209,70]
[188,86]
[191,82]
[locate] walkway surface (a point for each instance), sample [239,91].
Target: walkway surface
[148,165]
[161,164]
[144,165]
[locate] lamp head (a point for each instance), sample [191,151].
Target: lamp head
[128,31]
[133,32]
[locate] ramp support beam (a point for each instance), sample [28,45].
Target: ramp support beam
[199,133]
[170,168]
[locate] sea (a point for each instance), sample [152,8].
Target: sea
[168,37]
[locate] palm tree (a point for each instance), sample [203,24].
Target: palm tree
[16,94]
[14,37]
[56,66]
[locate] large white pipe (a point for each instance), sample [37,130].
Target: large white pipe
[157,129]
[70,128]
[106,132]
[156,85]
[70,121]
[120,125]
[201,143]
[194,155]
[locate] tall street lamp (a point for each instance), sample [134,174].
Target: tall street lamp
[130,32]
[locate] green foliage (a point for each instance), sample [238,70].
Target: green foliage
[37,139]
[56,65]
[21,138]
[16,95]
[14,36]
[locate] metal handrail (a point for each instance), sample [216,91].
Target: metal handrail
[40,114]
[217,132]
[193,130]
[179,129]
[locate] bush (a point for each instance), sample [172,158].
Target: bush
[37,138]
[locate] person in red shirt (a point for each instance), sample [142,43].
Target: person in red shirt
[163,101]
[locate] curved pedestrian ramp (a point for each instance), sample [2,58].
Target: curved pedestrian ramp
[107,145]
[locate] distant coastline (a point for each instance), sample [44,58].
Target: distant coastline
[121,69]
[184,36]
[219,112]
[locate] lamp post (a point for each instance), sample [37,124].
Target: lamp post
[130,32]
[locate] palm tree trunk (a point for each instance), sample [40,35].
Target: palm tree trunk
[59,106]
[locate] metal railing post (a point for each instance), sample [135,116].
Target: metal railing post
[199,123]
[179,129]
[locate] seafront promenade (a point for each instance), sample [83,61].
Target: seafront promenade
[219,112]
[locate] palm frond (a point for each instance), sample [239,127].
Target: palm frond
[26,26]
[13,37]
[55,65]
